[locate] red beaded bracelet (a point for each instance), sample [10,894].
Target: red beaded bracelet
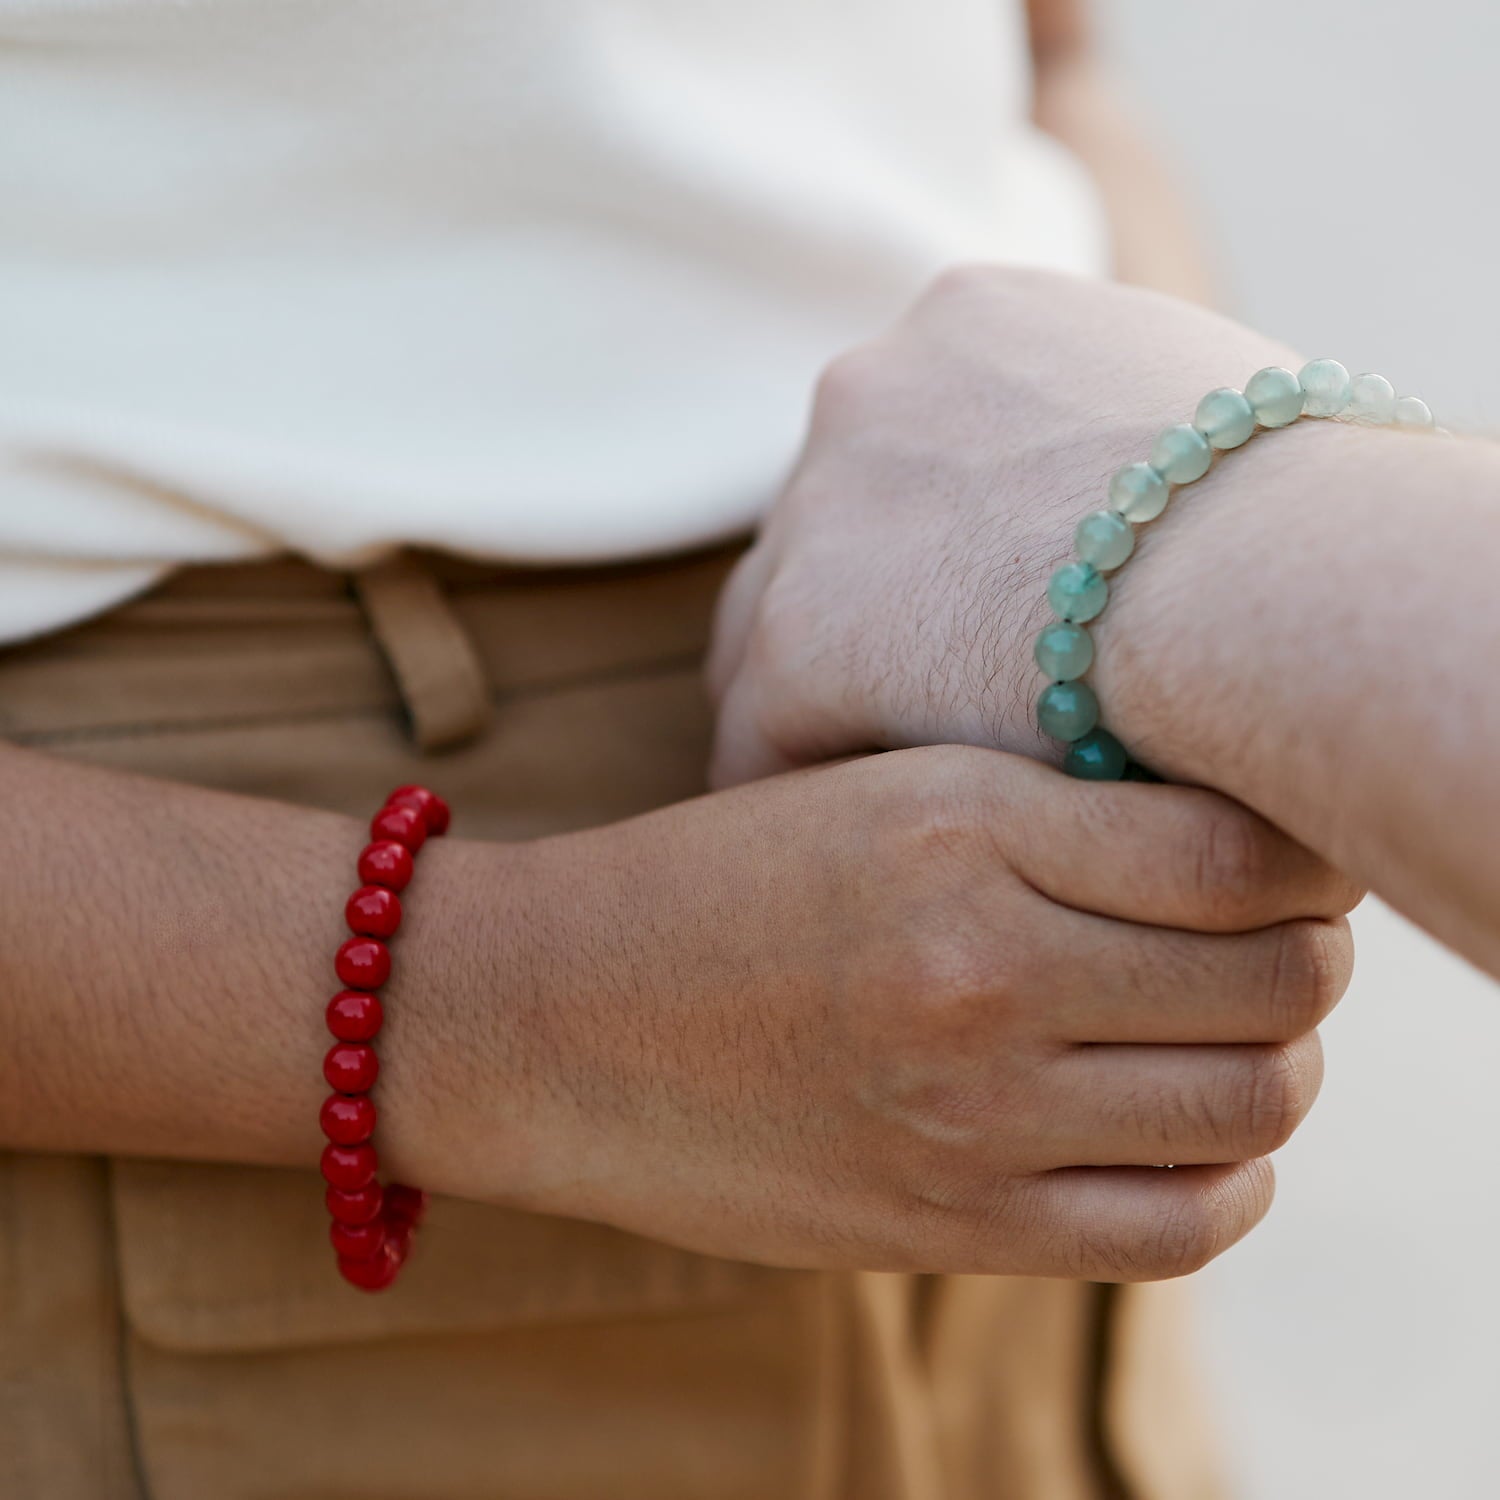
[372,1225]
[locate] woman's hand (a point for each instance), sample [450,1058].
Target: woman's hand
[906,1011]
[894,594]
[942,1010]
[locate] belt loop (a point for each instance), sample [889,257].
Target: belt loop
[436,667]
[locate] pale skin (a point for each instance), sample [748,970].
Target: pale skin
[1306,630]
[940,1010]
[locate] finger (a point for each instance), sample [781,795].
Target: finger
[1142,1106]
[1122,982]
[734,614]
[1141,1223]
[1169,856]
[741,750]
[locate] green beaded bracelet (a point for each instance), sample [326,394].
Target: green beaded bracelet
[1067,708]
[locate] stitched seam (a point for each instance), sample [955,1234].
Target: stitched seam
[1102,1362]
[663,667]
[621,1302]
[123,1335]
[164,727]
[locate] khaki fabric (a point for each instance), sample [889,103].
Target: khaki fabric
[174,1331]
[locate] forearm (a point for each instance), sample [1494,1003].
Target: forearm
[1306,629]
[1154,241]
[1309,629]
[165,957]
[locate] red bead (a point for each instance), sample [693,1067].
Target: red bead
[403,824]
[355,1015]
[405,1205]
[346,1121]
[349,1168]
[357,1241]
[373,911]
[386,863]
[434,810]
[363,963]
[373,1227]
[358,1207]
[351,1067]
[373,1274]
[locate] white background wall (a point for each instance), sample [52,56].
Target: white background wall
[1348,156]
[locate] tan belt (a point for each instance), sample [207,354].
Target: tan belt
[444,641]
[435,664]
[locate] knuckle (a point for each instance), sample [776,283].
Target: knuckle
[1249,1106]
[937,833]
[1183,1239]
[781,621]
[1341,893]
[776,668]
[944,813]
[943,1097]
[1230,864]
[962,279]
[945,1192]
[943,980]
[1180,1235]
[849,384]
[1310,971]
[945,984]
[1276,1098]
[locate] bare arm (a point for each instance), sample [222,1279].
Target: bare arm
[1316,633]
[165,953]
[1308,629]
[1155,240]
[818,1021]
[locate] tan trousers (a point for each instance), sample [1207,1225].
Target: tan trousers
[176,1331]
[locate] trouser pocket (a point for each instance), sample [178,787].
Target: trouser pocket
[519,1356]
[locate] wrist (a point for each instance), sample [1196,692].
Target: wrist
[1169,584]
[455,1116]
[1188,664]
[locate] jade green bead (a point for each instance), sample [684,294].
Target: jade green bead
[1139,493]
[1412,411]
[1372,399]
[1325,387]
[1098,756]
[1104,539]
[1181,454]
[1067,711]
[1275,396]
[1077,593]
[1064,651]
[1225,418]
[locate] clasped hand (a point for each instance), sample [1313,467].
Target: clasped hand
[935,1010]
[940,1009]
[986,1003]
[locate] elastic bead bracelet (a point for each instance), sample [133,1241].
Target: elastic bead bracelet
[1067,708]
[372,1225]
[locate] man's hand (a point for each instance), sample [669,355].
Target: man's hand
[894,594]
[942,1010]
